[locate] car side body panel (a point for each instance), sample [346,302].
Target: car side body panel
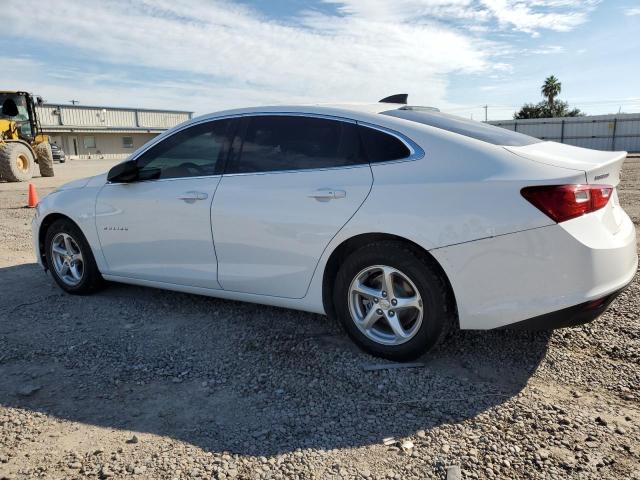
[75,200]
[461,202]
[147,231]
[269,230]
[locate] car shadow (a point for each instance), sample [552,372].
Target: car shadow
[234,377]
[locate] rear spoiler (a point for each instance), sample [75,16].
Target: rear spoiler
[607,172]
[600,167]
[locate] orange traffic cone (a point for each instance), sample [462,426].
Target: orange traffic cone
[33,196]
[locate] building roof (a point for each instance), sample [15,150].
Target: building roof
[56,118]
[53,130]
[112,107]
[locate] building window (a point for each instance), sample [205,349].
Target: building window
[127,142]
[89,142]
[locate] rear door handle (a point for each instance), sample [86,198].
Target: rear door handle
[326,194]
[192,196]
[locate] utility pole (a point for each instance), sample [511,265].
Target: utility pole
[486,107]
[74,102]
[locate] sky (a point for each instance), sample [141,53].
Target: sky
[209,55]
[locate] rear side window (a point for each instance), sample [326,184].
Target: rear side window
[382,147]
[274,143]
[193,152]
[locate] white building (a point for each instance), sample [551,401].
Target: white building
[104,132]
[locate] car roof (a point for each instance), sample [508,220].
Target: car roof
[394,116]
[347,110]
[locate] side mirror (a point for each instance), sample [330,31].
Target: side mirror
[124,172]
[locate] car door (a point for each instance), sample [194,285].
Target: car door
[159,227]
[295,182]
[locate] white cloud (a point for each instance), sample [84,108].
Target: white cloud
[212,54]
[630,12]
[532,16]
[547,50]
[210,46]
[409,10]
[522,15]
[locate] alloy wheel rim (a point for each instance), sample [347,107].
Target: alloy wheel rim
[385,305]
[22,162]
[67,259]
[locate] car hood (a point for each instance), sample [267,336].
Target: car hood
[83,182]
[80,183]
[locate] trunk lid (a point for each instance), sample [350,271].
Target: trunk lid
[599,167]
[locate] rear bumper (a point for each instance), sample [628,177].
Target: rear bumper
[540,275]
[567,317]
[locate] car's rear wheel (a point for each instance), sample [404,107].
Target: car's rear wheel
[70,260]
[392,301]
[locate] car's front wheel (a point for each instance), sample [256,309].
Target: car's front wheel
[392,301]
[70,260]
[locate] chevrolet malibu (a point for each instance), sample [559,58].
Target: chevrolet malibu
[402,222]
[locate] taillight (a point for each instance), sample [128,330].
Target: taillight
[564,202]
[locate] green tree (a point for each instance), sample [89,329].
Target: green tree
[551,88]
[550,107]
[528,110]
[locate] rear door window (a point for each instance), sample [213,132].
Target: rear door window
[273,143]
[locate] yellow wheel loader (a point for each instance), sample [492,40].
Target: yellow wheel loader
[22,144]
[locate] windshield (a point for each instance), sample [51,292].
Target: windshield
[469,128]
[16,102]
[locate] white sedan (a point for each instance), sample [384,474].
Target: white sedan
[402,222]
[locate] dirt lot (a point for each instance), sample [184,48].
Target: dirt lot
[143,383]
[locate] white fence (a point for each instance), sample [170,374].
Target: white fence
[600,132]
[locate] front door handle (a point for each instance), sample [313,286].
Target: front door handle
[326,194]
[191,197]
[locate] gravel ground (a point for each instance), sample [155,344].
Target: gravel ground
[143,383]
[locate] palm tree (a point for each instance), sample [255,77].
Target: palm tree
[551,88]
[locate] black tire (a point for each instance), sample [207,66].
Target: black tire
[91,280]
[45,159]
[438,307]
[16,162]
